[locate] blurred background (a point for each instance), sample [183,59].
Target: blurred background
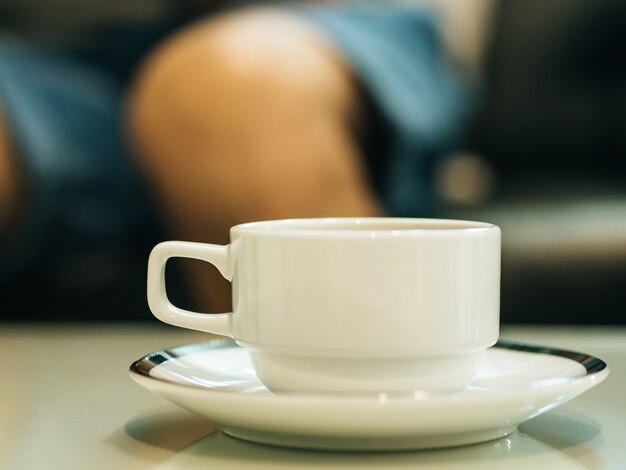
[543,155]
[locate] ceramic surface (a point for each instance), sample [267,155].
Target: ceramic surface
[310,294]
[515,382]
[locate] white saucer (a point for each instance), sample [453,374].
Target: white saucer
[515,382]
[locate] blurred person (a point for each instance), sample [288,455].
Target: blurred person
[237,113]
[304,112]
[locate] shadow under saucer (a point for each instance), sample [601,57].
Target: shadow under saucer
[181,439]
[514,452]
[157,435]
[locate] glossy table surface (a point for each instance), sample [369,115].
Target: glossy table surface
[66,402]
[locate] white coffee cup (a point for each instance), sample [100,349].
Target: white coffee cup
[351,304]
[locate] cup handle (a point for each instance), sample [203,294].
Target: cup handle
[160,305]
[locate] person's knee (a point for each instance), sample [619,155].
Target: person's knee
[222,78]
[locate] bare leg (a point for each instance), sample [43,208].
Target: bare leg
[247,117]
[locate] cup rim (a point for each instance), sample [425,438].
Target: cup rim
[303,226]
